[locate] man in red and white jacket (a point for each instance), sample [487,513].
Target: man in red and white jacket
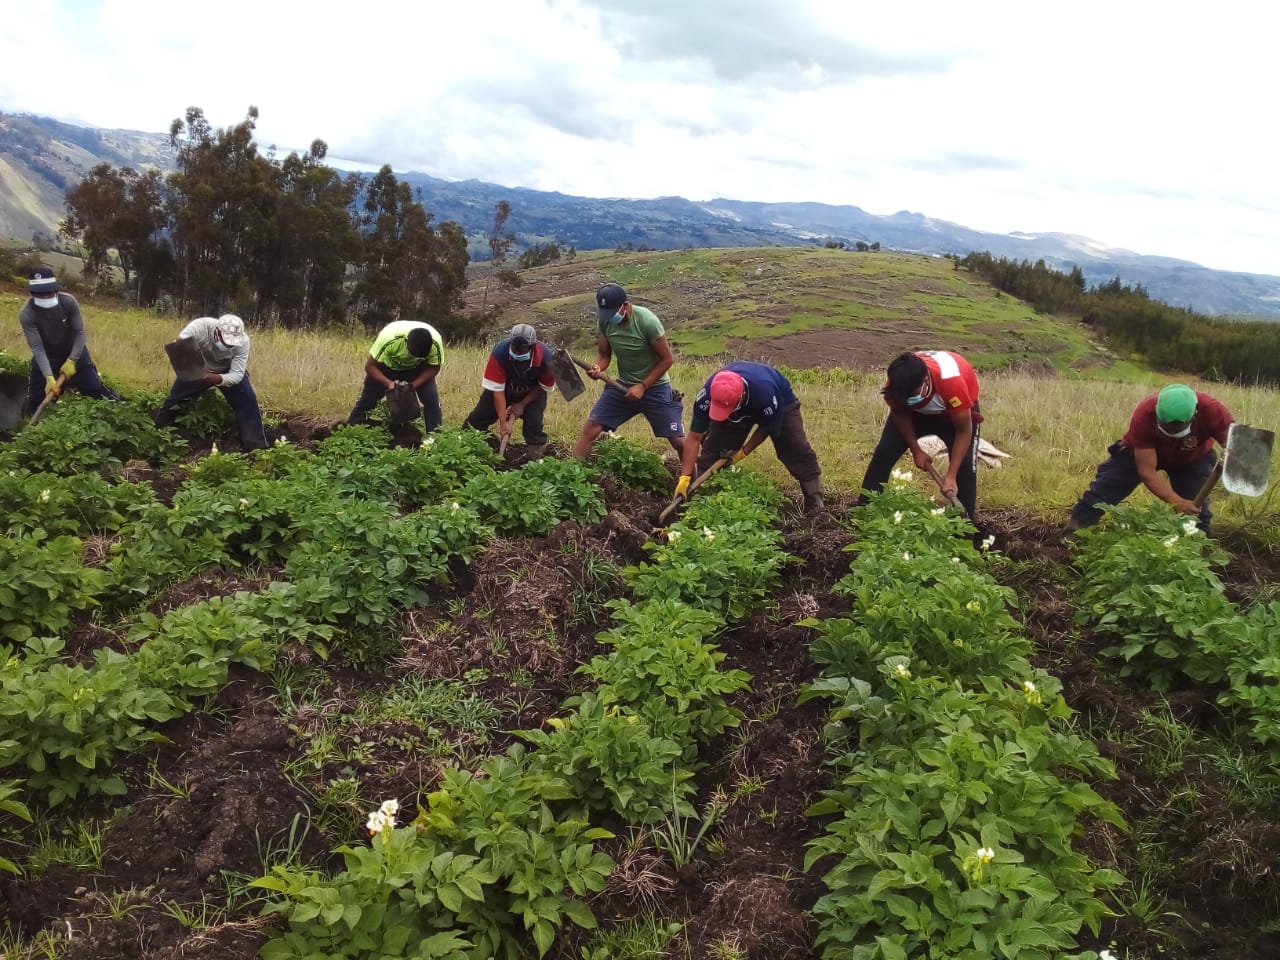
[930,392]
[516,382]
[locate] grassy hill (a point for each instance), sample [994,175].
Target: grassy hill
[1054,398]
[809,308]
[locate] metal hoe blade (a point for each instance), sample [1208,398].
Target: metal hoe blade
[185,358]
[1246,463]
[567,379]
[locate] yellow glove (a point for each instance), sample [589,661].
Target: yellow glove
[682,485]
[738,455]
[68,369]
[50,386]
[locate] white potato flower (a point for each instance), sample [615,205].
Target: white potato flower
[897,516]
[985,854]
[988,543]
[44,495]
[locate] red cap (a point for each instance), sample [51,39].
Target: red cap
[726,393]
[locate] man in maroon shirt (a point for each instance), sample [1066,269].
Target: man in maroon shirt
[1172,431]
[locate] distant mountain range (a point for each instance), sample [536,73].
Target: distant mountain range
[41,158]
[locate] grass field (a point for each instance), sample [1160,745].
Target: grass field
[1056,421]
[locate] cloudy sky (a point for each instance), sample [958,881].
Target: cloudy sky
[1142,125]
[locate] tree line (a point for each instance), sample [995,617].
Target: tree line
[289,242]
[1167,337]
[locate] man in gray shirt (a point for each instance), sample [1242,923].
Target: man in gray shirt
[224,348]
[54,330]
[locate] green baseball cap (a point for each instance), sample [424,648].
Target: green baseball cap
[1176,404]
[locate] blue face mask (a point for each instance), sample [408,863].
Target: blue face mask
[617,319]
[912,401]
[522,356]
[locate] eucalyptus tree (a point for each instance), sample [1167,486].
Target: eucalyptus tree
[224,198]
[408,269]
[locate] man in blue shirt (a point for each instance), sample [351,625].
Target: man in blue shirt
[738,397]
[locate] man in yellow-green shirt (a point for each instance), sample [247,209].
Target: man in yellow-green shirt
[405,351]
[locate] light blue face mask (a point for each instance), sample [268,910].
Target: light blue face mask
[912,401]
[522,356]
[617,319]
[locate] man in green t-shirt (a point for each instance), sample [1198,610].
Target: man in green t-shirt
[636,337]
[405,351]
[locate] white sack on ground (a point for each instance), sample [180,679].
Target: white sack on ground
[988,454]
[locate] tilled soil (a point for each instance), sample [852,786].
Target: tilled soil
[205,808]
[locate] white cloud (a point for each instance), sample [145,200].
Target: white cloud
[1143,126]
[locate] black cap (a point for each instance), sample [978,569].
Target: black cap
[42,282]
[609,300]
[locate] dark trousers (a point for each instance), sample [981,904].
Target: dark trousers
[240,397]
[1117,477]
[373,391]
[892,446]
[485,415]
[791,445]
[86,381]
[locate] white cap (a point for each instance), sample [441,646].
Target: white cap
[232,329]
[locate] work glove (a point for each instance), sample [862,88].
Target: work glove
[738,455]
[682,485]
[68,369]
[50,386]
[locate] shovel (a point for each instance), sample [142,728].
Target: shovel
[13,396]
[1245,463]
[185,358]
[680,498]
[951,497]
[567,380]
[45,402]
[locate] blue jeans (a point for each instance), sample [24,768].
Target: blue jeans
[1117,477]
[373,391]
[86,381]
[241,398]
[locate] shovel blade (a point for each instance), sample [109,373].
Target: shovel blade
[567,379]
[185,358]
[1246,463]
[13,397]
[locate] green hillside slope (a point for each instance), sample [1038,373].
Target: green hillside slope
[806,308]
